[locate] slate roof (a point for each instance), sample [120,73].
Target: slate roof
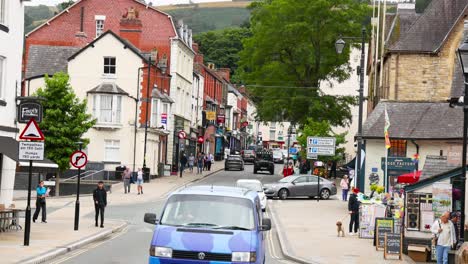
[399,23]
[48,60]
[431,29]
[415,120]
[436,165]
[458,86]
[163,96]
[108,88]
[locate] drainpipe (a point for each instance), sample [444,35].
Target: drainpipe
[417,152]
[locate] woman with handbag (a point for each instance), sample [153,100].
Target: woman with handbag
[40,202]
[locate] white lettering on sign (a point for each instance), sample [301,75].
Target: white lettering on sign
[31,150]
[29,112]
[321,150]
[321,141]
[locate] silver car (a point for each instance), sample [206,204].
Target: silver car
[234,162]
[300,185]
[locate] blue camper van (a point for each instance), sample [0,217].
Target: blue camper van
[209,224]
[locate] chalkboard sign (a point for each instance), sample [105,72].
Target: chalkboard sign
[382,226]
[393,245]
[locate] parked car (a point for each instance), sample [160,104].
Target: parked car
[234,162]
[248,155]
[301,185]
[203,216]
[256,186]
[278,156]
[264,162]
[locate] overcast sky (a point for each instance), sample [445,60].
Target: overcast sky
[155,2]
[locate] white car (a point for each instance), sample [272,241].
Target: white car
[256,186]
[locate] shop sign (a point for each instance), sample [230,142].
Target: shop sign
[244,124]
[221,119]
[28,110]
[164,118]
[211,115]
[396,163]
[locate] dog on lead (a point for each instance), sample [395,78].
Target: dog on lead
[339,228]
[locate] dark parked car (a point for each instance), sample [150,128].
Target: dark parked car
[264,162]
[300,185]
[234,162]
[248,155]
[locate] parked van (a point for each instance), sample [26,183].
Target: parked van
[209,224]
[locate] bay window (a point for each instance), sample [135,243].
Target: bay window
[107,108]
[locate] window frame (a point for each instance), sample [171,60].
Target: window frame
[272,138]
[2,76]
[154,114]
[99,27]
[113,147]
[109,66]
[397,146]
[116,109]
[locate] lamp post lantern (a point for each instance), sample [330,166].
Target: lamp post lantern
[463,56]
[339,46]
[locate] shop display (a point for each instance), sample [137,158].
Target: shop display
[412,204]
[442,198]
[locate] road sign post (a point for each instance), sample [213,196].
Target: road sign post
[30,151]
[78,159]
[324,146]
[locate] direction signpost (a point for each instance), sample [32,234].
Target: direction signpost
[323,146]
[78,159]
[30,151]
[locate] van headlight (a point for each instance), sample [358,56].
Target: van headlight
[244,257]
[161,252]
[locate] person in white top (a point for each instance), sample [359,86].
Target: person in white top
[444,231]
[140,181]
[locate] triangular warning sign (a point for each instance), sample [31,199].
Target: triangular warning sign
[32,131]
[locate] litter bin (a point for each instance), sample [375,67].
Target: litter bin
[146,174]
[118,172]
[160,169]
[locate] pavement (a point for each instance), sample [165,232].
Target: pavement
[307,233]
[57,236]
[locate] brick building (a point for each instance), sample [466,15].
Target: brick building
[142,28]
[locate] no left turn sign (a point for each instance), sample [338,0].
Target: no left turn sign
[78,159]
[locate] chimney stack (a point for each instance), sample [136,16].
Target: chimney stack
[131,27]
[225,73]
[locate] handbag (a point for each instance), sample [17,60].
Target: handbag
[436,236]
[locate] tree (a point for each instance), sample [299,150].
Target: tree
[222,47]
[64,5]
[65,121]
[321,129]
[291,52]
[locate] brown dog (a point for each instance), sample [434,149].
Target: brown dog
[339,228]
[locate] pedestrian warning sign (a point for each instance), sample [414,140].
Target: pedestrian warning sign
[32,131]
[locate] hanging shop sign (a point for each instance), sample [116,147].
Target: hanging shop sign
[28,110]
[211,115]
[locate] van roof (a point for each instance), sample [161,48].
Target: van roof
[218,191]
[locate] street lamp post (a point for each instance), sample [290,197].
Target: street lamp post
[146,114]
[339,45]
[463,55]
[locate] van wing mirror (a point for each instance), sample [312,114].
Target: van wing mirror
[151,219]
[266,224]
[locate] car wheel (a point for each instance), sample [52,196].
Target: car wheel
[283,194]
[325,194]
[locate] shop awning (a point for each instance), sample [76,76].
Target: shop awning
[411,177]
[46,163]
[351,164]
[9,147]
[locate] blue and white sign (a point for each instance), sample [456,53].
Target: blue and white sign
[324,146]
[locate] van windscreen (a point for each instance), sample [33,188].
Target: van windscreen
[209,211]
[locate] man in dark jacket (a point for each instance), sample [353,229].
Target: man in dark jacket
[183,163]
[100,202]
[353,208]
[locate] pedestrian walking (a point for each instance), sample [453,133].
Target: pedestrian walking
[100,202]
[191,161]
[353,208]
[140,181]
[444,237]
[41,192]
[205,161]
[200,163]
[304,167]
[333,169]
[344,184]
[210,161]
[183,163]
[127,174]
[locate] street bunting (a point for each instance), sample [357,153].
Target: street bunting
[323,146]
[32,131]
[31,150]
[78,159]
